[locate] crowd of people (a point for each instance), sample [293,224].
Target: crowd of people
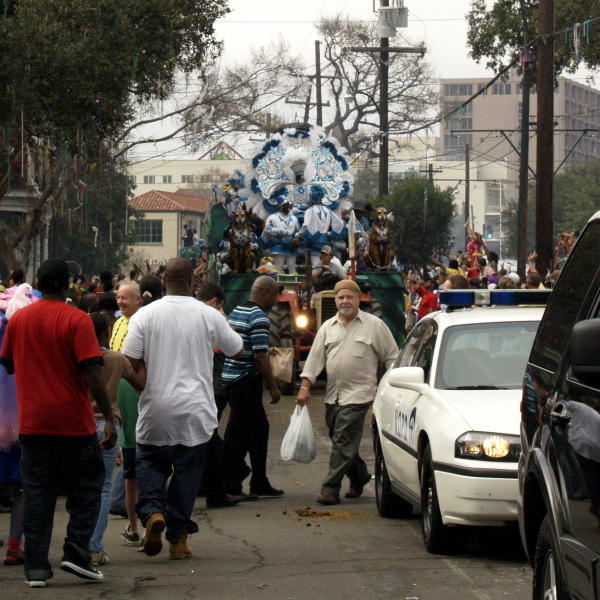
[139,375]
[478,268]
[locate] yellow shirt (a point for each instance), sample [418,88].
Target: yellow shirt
[119,333]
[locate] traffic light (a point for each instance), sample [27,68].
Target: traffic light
[488,232]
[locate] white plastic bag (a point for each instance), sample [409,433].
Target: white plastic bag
[299,441]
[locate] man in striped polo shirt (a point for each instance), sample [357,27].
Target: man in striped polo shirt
[248,428]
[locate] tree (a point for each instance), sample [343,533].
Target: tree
[354,90]
[576,193]
[75,73]
[366,184]
[245,98]
[496,33]
[423,220]
[99,204]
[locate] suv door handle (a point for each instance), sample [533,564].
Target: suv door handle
[560,417]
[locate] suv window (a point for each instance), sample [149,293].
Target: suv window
[569,300]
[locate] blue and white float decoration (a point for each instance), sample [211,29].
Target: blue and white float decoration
[310,170]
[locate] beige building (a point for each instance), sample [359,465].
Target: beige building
[159,231]
[211,168]
[493,118]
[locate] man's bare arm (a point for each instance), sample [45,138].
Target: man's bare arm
[97,386]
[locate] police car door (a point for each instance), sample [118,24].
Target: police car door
[396,451]
[410,402]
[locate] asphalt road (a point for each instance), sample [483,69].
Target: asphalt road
[265,550]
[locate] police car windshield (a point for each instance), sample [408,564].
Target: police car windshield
[485,356]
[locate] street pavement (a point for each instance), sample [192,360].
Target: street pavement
[266,550]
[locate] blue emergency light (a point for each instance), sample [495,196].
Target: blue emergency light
[462,298]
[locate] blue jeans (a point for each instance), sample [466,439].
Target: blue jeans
[49,462]
[154,465]
[110,460]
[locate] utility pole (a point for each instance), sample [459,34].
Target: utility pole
[467,191]
[318,83]
[524,157]
[384,137]
[545,137]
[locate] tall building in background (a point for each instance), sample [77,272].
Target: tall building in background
[490,124]
[494,117]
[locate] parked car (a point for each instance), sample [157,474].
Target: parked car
[446,416]
[559,469]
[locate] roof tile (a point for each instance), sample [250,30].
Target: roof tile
[156,200]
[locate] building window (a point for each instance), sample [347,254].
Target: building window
[148,231]
[149,179]
[462,112]
[187,179]
[458,89]
[493,197]
[132,179]
[501,89]
[167,179]
[481,86]
[457,142]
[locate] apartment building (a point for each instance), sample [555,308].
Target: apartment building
[490,124]
[211,168]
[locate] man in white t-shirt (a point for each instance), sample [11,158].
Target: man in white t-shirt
[175,337]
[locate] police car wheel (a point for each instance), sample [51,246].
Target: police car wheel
[389,505]
[548,583]
[437,537]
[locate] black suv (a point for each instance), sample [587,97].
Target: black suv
[559,469]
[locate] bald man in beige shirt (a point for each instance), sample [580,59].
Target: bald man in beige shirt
[350,346]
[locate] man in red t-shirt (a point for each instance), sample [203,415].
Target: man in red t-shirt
[52,349]
[429,301]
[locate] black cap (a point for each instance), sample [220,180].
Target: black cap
[53,273]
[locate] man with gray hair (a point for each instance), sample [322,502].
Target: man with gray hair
[349,346]
[175,337]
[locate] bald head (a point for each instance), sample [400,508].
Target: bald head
[264,292]
[178,270]
[178,277]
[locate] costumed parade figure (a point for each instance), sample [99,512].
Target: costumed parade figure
[303,166]
[10,449]
[278,235]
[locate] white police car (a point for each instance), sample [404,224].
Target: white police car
[446,415]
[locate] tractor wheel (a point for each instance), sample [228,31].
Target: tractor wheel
[289,389]
[281,322]
[373,307]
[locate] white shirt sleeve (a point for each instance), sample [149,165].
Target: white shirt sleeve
[134,342]
[228,341]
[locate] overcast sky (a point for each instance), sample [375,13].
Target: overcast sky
[440,24]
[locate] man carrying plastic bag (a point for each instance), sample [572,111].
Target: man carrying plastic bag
[299,441]
[350,346]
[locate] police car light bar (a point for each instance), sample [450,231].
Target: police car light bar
[456,298]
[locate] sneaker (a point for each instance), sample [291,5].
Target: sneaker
[35,582]
[131,538]
[99,558]
[77,562]
[152,538]
[14,558]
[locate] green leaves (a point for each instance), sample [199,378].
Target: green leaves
[423,220]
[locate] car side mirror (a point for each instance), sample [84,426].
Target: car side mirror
[408,378]
[585,351]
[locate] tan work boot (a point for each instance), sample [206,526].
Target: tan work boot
[180,550]
[152,538]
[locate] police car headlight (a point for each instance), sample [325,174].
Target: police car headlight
[301,321]
[488,446]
